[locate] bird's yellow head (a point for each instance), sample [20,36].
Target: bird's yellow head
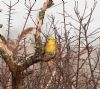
[51,38]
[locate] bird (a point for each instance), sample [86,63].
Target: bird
[50,46]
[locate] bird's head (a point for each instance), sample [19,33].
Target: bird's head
[51,38]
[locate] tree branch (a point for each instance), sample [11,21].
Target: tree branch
[38,55]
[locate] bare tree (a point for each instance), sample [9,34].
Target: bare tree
[17,70]
[76,62]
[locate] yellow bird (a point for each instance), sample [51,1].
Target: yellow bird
[50,46]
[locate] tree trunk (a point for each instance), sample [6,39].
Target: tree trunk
[16,82]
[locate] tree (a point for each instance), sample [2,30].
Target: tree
[73,67]
[17,70]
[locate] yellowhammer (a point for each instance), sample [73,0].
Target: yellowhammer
[50,46]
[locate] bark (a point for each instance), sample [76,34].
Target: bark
[17,82]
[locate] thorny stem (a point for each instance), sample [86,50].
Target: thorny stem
[29,12]
[9,22]
[9,18]
[68,47]
[79,44]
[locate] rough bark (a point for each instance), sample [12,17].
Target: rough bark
[16,82]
